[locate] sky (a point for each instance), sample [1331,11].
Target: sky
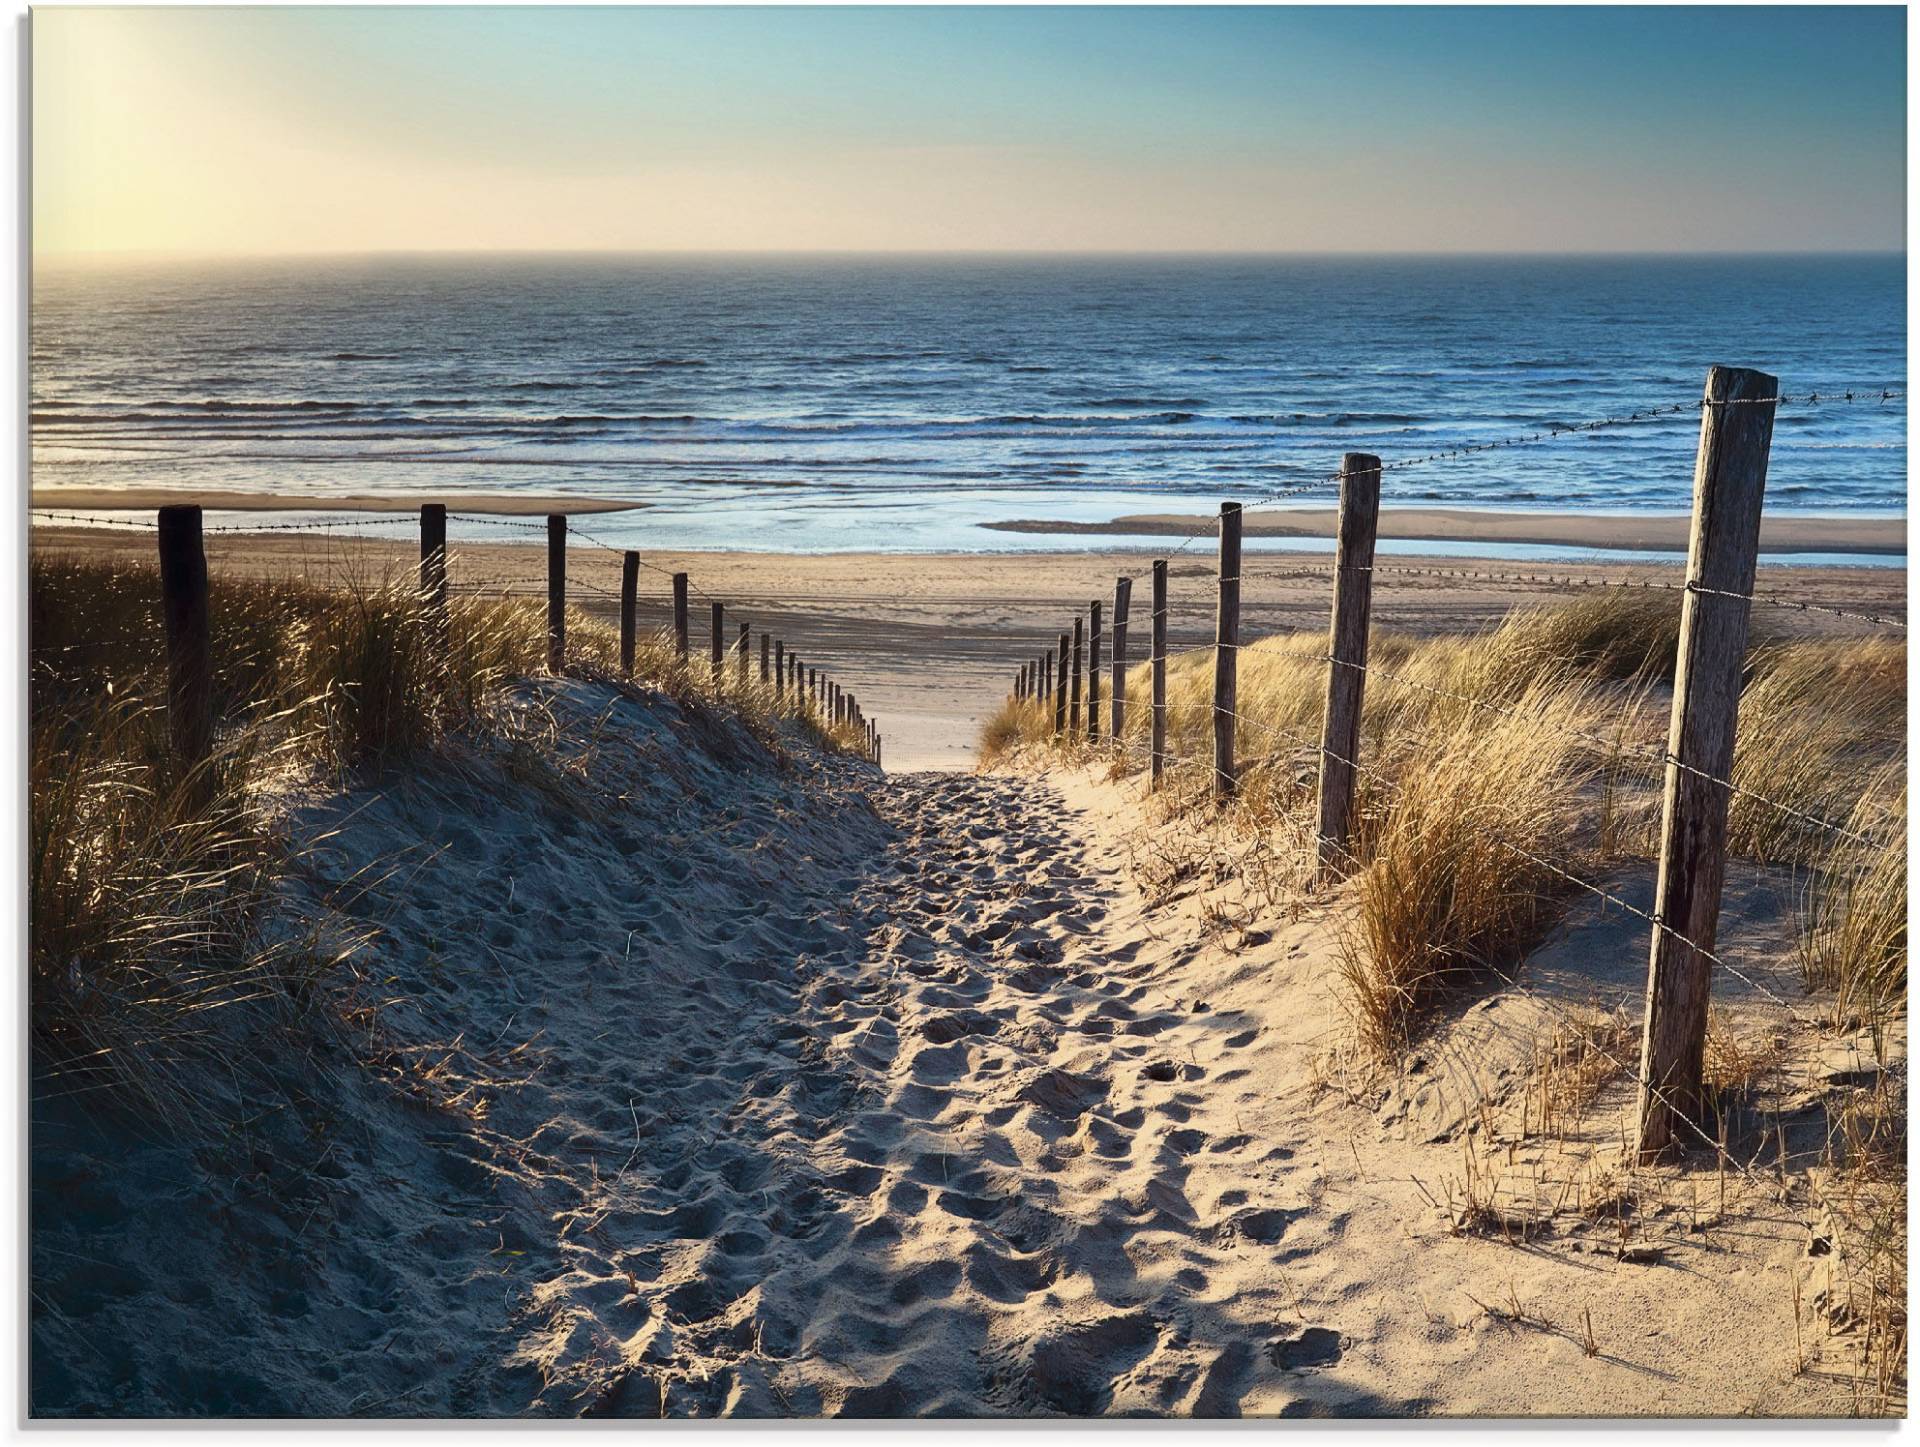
[284,131]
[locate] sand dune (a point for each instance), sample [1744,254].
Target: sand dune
[690,1079]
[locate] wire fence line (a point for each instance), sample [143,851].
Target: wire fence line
[1718,591]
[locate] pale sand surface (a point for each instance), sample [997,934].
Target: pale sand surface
[146,499]
[710,1085]
[930,643]
[1640,532]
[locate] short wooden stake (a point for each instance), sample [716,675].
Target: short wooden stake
[1226,654]
[1060,686]
[1347,650]
[1729,485]
[629,601]
[1159,666]
[680,616]
[1094,641]
[1076,682]
[1122,608]
[183,606]
[556,592]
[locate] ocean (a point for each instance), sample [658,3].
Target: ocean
[829,403]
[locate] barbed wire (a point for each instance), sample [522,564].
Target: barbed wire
[1574,580]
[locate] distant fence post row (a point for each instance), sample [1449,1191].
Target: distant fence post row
[1736,432]
[185,614]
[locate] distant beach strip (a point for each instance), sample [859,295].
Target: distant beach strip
[1650,532]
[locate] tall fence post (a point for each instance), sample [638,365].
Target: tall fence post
[717,643]
[556,591]
[1076,682]
[1347,650]
[629,600]
[183,603]
[1122,606]
[1159,666]
[1093,672]
[1729,484]
[1226,654]
[1046,678]
[1060,687]
[433,563]
[680,616]
[779,668]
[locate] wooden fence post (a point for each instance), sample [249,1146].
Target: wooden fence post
[556,591]
[629,600]
[1159,664]
[1347,650]
[1060,687]
[680,615]
[779,668]
[1079,667]
[433,563]
[716,643]
[742,651]
[183,606]
[1226,654]
[1122,608]
[1729,484]
[1093,672]
[766,659]
[1046,678]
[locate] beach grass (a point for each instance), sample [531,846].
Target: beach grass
[148,883]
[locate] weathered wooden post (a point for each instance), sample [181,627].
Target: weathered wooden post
[1060,687]
[629,600]
[716,643]
[779,668]
[1159,662]
[1226,654]
[433,563]
[1046,678]
[1093,672]
[1347,652]
[183,607]
[1076,682]
[556,592]
[680,615]
[766,659]
[813,687]
[1729,483]
[1122,607]
[742,651]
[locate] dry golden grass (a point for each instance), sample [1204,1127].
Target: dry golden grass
[146,887]
[1545,729]
[1461,877]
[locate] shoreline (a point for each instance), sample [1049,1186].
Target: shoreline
[1651,532]
[148,499]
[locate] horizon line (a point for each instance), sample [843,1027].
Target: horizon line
[157,254]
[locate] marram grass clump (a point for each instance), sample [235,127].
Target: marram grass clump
[148,887]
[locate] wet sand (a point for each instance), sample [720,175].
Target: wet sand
[1642,532]
[498,504]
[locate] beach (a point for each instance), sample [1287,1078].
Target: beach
[931,642]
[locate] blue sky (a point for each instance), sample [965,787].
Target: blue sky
[1499,128]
